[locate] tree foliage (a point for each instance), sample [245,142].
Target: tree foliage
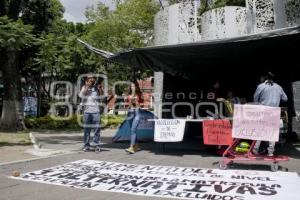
[14,34]
[22,23]
[129,26]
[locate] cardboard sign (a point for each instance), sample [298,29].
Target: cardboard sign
[256,122]
[169,130]
[217,132]
[170,182]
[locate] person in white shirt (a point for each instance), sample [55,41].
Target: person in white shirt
[90,93]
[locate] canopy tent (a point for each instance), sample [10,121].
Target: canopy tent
[262,51]
[238,62]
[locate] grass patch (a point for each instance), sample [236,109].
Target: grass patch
[11,139]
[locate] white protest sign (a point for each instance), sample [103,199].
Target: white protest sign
[169,130]
[256,122]
[170,182]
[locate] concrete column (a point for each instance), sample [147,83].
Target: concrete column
[158,93]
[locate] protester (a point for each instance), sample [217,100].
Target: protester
[229,102]
[135,103]
[232,97]
[90,93]
[269,93]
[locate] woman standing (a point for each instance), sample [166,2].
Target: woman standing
[135,101]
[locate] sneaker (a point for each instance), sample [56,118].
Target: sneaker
[136,148]
[97,148]
[130,150]
[85,149]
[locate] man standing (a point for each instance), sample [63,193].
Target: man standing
[269,93]
[90,93]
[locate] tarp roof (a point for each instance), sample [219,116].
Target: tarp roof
[263,51]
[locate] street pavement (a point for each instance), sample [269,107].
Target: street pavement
[66,147]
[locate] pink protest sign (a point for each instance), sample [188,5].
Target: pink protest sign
[256,122]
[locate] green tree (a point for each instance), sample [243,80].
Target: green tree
[41,15]
[130,25]
[14,36]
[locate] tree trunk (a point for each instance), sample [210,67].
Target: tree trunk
[12,113]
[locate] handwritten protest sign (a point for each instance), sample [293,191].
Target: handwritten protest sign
[169,130]
[217,132]
[256,122]
[170,182]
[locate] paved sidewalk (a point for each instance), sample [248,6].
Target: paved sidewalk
[72,142]
[187,154]
[15,153]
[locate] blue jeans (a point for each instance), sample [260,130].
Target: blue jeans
[91,121]
[135,120]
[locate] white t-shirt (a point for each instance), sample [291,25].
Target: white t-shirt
[90,100]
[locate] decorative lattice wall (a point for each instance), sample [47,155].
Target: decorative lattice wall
[266,15]
[176,24]
[223,22]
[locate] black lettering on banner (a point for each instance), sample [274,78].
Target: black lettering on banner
[103,180]
[83,184]
[251,178]
[134,183]
[267,191]
[62,174]
[244,189]
[216,176]
[228,198]
[154,184]
[220,189]
[164,193]
[179,194]
[276,185]
[185,183]
[174,185]
[197,188]
[128,189]
[74,176]
[237,198]
[151,178]
[42,172]
[118,181]
[91,177]
[201,196]
[215,197]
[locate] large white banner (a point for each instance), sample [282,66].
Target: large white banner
[256,122]
[169,130]
[171,182]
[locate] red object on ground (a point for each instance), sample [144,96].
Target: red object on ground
[230,156]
